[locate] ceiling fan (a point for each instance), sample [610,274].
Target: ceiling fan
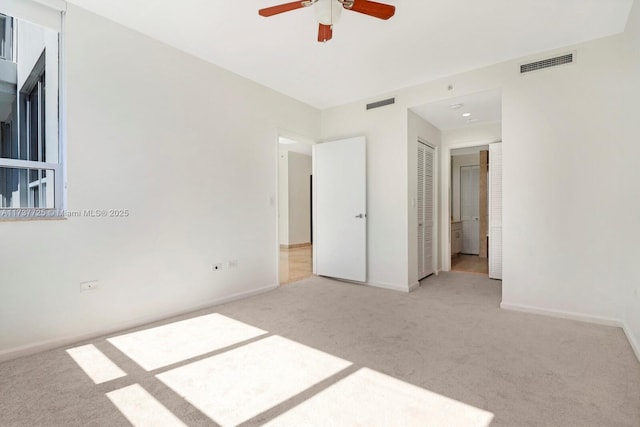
[329,10]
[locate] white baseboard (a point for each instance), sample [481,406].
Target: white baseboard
[388,286]
[29,349]
[414,286]
[598,320]
[635,345]
[296,245]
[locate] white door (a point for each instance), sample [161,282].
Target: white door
[470,208]
[425,210]
[340,214]
[495,211]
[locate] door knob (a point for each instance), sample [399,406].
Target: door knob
[361,216]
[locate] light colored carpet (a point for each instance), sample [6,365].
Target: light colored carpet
[449,338]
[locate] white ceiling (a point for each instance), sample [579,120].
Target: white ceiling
[287,144]
[483,107]
[425,40]
[469,150]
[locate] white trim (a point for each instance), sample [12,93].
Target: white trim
[314,210]
[635,345]
[581,317]
[276,201]
[381,285]
[414,286]
[29,349]
[388,286]
[28,164]
[61,189]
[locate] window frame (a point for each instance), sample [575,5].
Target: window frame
[58,168]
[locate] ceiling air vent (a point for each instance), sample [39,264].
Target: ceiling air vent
[382,103]
[547,63]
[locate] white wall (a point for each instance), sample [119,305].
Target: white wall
[299,198]
[190,150]
[564,229]
[385,132]
[476,134]
[565,155]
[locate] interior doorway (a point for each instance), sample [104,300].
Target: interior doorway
[470,124]
[294,210]
[469,209]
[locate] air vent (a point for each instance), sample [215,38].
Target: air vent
[382,103]
[547,63]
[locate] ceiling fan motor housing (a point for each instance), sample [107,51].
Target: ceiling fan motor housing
[328,11]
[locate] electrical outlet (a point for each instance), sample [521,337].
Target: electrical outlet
[216,267]
[232,264]
[89,286]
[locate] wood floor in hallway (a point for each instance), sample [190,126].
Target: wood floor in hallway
[295,264]
[470,264]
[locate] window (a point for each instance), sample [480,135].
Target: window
[30,160]
[6,37]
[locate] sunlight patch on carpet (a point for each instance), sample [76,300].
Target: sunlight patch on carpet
[142,409]
[369,398]
[239,384]
[95,364]
[179,341]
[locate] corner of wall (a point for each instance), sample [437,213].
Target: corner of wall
[633,340]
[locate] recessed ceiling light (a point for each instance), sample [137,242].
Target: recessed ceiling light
[456,106]
[466,115]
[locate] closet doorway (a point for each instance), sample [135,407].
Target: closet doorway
[425,207]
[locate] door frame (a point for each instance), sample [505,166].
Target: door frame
[445,230]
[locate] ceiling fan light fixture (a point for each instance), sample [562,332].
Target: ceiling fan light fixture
[327,11]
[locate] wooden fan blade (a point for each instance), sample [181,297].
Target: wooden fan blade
[324,33]
[372,8]
[281,8]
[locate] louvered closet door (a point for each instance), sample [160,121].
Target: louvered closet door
[425,208]
[495,211]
